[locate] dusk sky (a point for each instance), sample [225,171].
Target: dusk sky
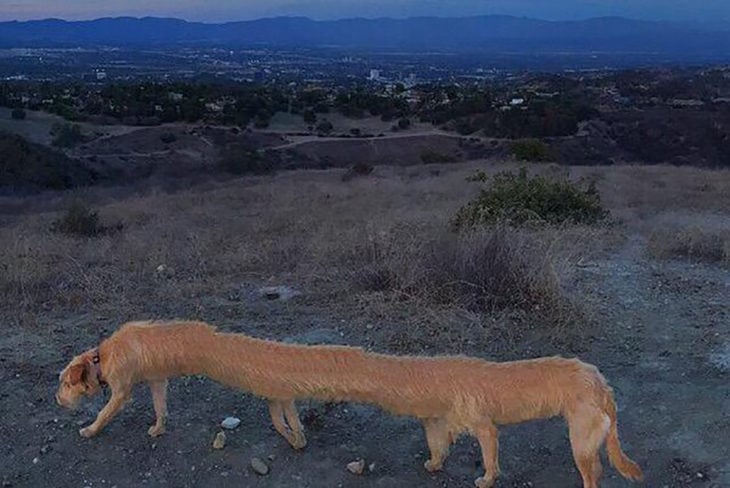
[715,11]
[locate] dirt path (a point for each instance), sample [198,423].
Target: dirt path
[661,341]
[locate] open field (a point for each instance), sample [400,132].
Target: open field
[372,259]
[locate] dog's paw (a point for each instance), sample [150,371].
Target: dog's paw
[156,430]
[87,432]
[484,482]
[432,466]
[299,441]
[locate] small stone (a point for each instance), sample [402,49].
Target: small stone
[36,460]
[230,423]
[259,467]
[220,441]
[45,449]
[356,467]
[371,467]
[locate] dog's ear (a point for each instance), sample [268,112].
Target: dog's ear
[77,373]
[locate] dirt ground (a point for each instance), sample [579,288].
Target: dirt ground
[660,335]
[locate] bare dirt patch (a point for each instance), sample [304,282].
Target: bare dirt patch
[656,328]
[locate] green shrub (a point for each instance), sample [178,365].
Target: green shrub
[434,157]
[18,114]
[404,123]
[80,221]
[518,198]
[532,150]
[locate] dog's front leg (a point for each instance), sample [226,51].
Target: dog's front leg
[159,400]
[438,439]
[488,437]
[115,404]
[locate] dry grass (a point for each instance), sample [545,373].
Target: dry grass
[702,242]
[375,248]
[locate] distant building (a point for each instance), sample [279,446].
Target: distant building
[374,75]
[517,101]
[175,97]
[100,75]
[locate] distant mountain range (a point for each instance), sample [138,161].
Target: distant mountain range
[469,34]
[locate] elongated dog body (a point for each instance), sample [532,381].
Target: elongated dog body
[450,395]
[152,352]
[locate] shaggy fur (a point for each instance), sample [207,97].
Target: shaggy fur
[152,352]
[450,395]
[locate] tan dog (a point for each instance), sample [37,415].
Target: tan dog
[153,352]
[451,395]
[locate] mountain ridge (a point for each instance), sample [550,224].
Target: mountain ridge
[461,34]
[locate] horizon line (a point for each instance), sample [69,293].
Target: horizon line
[304,17]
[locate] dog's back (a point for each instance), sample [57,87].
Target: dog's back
[158,350]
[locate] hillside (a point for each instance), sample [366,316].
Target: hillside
[28,166]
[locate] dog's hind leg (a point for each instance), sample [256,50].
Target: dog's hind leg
[120,395]
[292,418]
[276,409]
[488,437]
[159,400]
[588,429]
[439,439]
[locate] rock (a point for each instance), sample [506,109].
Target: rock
[356,467]
[278,293]
[36,460]
[45,449]
[230,423]
[220,440]
[371,467]
[259,467]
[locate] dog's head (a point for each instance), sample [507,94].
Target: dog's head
[77,380]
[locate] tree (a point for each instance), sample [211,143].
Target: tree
[325,127]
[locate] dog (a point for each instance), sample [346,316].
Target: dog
[153,352]
[450,395]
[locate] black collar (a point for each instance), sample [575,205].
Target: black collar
[96,364]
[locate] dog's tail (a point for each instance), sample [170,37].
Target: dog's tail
[619,460]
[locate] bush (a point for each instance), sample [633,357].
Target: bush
[241,161]
[404,123]
[66,135]
[18,114]
[168,137]
[325,127]
[484,271]
[520,198]
[532,150]
[80,221]
[310,117]
[434,157]
[359,169]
